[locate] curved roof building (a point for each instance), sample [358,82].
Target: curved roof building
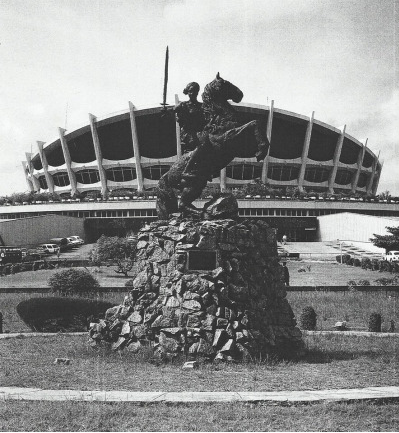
[135,147]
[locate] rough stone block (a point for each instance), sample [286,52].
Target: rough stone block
[192,305]
[190,365]
[220,337]
[228,346]
[135,318]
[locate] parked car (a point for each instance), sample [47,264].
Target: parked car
[76,240]
[73,243]
[49,248]
[10,255]
[392,256]
[62,243]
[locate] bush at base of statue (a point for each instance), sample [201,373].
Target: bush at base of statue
[375,322]
[54,314]
[308,319]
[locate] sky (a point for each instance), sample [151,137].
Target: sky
[63,59]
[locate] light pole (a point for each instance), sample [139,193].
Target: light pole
[340,250]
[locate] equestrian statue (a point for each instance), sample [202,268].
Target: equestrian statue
[211,137]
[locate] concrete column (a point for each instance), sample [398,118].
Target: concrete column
[28,181]
[223,179]
[35,180]
[67,158]
[136,147]
[375,186]
[269,137]
[305,151]
[371,178]
[97,150]
[337,154]
[178,142]
[49,178]
[355,179]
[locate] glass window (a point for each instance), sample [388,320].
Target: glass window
[283,172]
[316,174]
[87,176]
[244,171]
[343,177]
[121,174]
[61,179]
[155,172]
[43,182]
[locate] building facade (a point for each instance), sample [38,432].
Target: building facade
[132,149]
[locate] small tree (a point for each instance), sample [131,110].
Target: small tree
[115,251]
[389,242]
[72,281]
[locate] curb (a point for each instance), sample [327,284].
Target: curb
[331,395]
[39,334]
[304,332]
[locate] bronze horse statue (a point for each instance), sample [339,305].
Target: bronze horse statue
[222,139]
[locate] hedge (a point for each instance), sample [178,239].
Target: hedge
[366,263]
[55,314]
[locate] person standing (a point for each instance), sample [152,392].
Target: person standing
[284,239]
[286,274]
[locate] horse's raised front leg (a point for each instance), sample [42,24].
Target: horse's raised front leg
[262,142]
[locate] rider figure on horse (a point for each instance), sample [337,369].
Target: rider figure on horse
[190,116]
[215,133]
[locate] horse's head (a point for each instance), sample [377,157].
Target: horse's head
[222,90]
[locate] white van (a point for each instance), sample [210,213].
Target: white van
[392,256]
[49,248]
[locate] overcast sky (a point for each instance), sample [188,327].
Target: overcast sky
[61,60]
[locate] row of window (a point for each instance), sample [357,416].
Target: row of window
[237,171]
[151,213]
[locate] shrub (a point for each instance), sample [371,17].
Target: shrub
[73,282]
[356,262]
[375,322]
[351,261]
[363,283]
[351,284]
[56,314]
[308,319]
[385,266]
[345,258]
[366,263]
[375,264]
[395,267]
[387,281]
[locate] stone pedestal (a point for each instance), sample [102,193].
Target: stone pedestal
[209,289]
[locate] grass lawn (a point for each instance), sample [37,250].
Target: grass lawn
[76,416]
[331,362]
[324,273]
[353,307]
[331,307]
[106,276]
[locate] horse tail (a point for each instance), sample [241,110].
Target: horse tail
[166,198]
